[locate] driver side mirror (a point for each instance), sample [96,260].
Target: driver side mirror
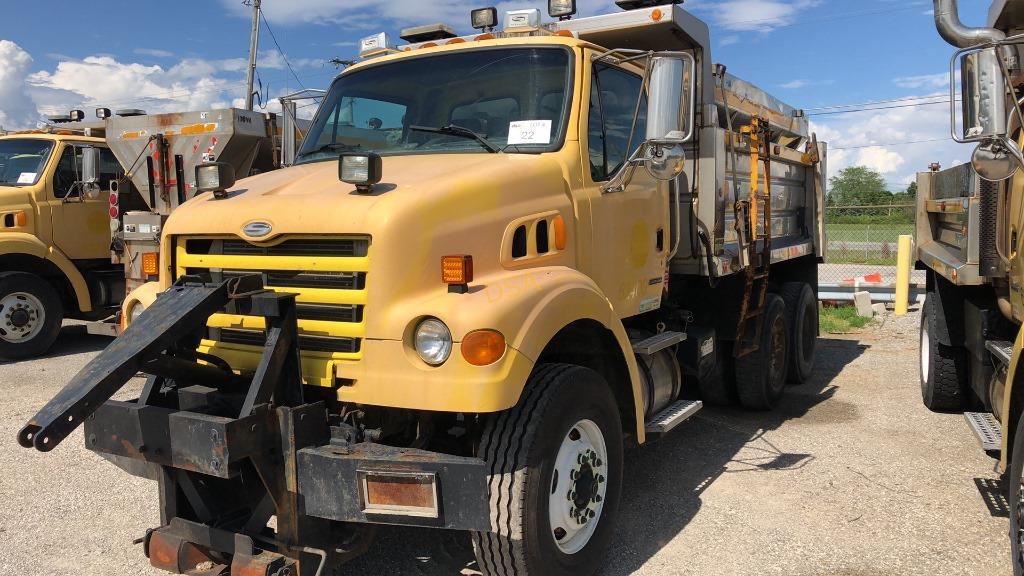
[985,116]
[90,177]
[670,113]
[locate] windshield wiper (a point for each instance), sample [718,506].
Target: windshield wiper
[454,130]
[328,147]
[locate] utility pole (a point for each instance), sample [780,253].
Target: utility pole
[254,44]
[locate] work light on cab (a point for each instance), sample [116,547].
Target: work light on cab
[484,19]
[360,170]
[215,177]
[561,9]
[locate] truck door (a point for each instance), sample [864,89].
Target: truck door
[81,226]
[630,231]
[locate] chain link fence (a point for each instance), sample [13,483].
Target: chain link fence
[863,242]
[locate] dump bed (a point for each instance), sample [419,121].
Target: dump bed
[949,224]
[238,137]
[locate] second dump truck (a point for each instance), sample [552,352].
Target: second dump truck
[969,222]
[500,260]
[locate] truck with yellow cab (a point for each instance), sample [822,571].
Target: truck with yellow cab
[969,243]
[54,237]
[88,200]
[499,260]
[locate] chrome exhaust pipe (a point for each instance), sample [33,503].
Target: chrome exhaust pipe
[947,21]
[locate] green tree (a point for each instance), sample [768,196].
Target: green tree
[907,197]
[858,186]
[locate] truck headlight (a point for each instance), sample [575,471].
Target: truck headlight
[433,341]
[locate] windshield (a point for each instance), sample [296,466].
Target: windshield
[515,99]
[22,160]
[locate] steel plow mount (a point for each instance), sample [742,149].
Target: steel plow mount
[230,452]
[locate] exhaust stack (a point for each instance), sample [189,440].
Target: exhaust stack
[947,21]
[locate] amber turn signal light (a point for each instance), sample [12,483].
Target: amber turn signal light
[150,264]
[457,269]
[483,347]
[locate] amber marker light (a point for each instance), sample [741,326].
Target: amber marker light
[150,264]
[559,225]
[457,272]
[483,347]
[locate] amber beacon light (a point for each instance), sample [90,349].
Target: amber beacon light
[457,272]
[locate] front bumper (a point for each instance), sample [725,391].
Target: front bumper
[312,482]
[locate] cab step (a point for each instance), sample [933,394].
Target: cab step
[1001,349]
[658,342]
[986,429]
[672,416]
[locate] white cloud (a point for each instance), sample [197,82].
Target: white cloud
[926,81]
[729,40]
[154,52]
[756,15]
[17,110]
[377,15]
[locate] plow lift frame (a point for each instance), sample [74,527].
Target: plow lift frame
[230,452]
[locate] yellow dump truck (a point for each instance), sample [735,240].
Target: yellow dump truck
[969,219]
[54,237]
[500,260]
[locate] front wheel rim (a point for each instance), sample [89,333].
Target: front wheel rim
[22,317]
[579,487]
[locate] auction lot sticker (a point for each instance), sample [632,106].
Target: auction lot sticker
[529,132]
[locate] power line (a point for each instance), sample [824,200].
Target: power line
[893,107]
[281,50]
[877,102]
[883,145]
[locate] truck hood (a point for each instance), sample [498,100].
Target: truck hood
[421,191]
[425,208]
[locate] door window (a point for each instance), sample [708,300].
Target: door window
[613,96]
[69,171]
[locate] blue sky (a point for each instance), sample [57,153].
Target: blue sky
[191,54]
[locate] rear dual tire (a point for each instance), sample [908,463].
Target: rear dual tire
[761,375]
[555,458]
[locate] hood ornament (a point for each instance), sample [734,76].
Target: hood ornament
[257,229]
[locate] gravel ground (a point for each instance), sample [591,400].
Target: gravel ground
[850,476]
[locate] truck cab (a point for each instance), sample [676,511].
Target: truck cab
[54,238]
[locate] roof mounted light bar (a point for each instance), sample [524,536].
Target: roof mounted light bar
[375,45]
[522,20]
[428,33]
[638,4]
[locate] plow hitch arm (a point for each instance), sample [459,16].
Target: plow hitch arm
[174,321]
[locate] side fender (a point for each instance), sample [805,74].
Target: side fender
[144,295]
[531,306]
[21,243]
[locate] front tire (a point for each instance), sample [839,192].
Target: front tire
[31,314]
[942,369]
[555,476]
